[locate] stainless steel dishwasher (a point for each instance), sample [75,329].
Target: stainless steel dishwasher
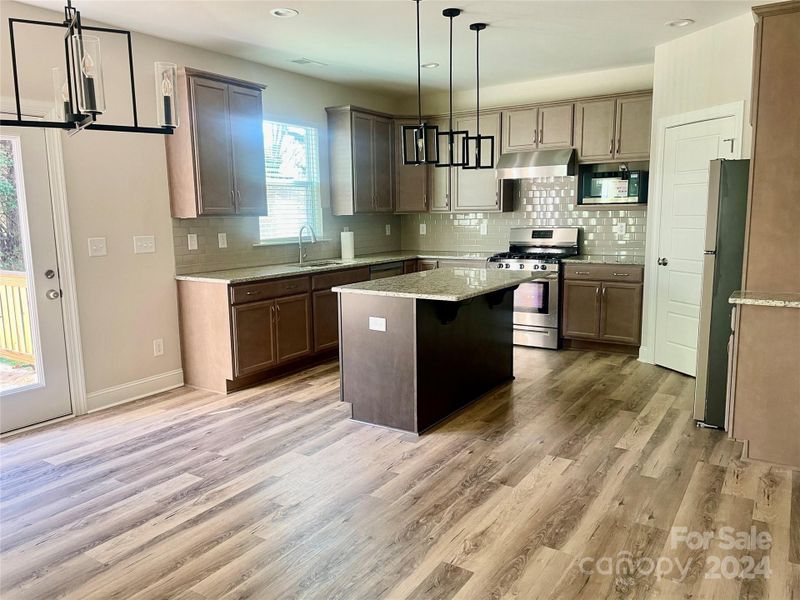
[386,270]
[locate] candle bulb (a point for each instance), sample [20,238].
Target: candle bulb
[89,93]
[166,90]
[65,100]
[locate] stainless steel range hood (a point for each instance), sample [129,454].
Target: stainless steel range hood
[538,163]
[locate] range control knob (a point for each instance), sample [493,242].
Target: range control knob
[521,266]
[544,267]
[499,266]
[508,266]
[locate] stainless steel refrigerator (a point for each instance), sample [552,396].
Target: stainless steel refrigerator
[722,274]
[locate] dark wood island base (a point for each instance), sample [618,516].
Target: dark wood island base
[409,363]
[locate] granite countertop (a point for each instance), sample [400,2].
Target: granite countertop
[780,300]
[448,284]
[606,259]
[246,274]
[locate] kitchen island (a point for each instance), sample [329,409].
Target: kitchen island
[416,348]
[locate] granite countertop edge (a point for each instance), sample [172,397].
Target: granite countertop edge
[774,299]
[420,280]
[606,259]
[266,272]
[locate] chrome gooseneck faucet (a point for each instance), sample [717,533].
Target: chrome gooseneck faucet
[303,251]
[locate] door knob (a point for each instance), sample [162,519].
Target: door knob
[53,294]
[663,262]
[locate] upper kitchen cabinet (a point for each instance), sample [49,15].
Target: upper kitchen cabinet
[440,179]
[539,127]
[410,181]
[215,163]
[362,161]
[613,128]
[479,189]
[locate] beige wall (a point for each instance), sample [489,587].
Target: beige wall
[117,188]
[707,68]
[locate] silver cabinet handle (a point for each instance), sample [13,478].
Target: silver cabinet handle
[53,294]
[233,200]
[619,144]
[612,147]
[621,274]
[582,273]
[238,197]
[535,136]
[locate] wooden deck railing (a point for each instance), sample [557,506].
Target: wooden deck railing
[15,321]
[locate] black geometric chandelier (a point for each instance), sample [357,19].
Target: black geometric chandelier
[78,90]
[452,139]
[475,146]
[420,142]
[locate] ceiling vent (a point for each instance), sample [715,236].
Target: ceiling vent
[308,61]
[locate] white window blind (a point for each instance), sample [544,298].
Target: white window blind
[292,171]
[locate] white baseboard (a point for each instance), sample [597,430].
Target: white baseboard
[134,390]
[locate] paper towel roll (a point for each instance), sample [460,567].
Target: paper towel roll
[348,245]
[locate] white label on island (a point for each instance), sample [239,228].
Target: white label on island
[377,324]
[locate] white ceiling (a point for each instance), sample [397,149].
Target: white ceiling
[371,43]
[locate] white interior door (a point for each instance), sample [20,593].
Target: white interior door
[34,384]
[688,149]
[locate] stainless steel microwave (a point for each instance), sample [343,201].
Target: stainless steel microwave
[613,187]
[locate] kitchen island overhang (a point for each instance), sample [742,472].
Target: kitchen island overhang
[416,348]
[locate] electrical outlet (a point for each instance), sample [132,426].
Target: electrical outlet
[97,246]
[388,229]
[158,347]
[144,244]
[423,229]
[484,228]
[222,240]
[192,240]
[621,228]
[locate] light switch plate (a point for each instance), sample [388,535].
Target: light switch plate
[377,324]
[158,347]
[97,246]
[423,229]
[192,240]
[222,240]
[144,244]
[388,229]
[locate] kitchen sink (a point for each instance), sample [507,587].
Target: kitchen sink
[319,263]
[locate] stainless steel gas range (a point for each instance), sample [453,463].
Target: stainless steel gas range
[537,303]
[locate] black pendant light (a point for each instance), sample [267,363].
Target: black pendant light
[78,89]
[475,146]
[452,139]
[420,141]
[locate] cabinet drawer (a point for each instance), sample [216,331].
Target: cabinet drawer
[326,281]
[626,273]
[251,292]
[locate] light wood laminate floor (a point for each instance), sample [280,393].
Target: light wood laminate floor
[272,493]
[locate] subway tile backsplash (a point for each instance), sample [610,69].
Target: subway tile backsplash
[544,202]
[242,233]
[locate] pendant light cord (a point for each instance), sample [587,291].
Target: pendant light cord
[478,81]
[419,71]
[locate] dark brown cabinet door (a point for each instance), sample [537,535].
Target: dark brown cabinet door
[293,327]
[247,130]
[427,264]
[594,129]
[581,316]
[382,164]
[621,313]
[634,116]
[212,144]
[326,320]
[253,337]
[363,180]
[410,181]
[479,189]
[555,126]
[410,266]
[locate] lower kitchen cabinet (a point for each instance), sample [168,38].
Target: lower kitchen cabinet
[581,319]
[253,329]
[603,303]
[424,264]
[236,335]
[293,327]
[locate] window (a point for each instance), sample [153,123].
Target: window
[292,166]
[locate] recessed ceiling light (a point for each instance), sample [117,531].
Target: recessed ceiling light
[680,23]
[431,65]
[284,13]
